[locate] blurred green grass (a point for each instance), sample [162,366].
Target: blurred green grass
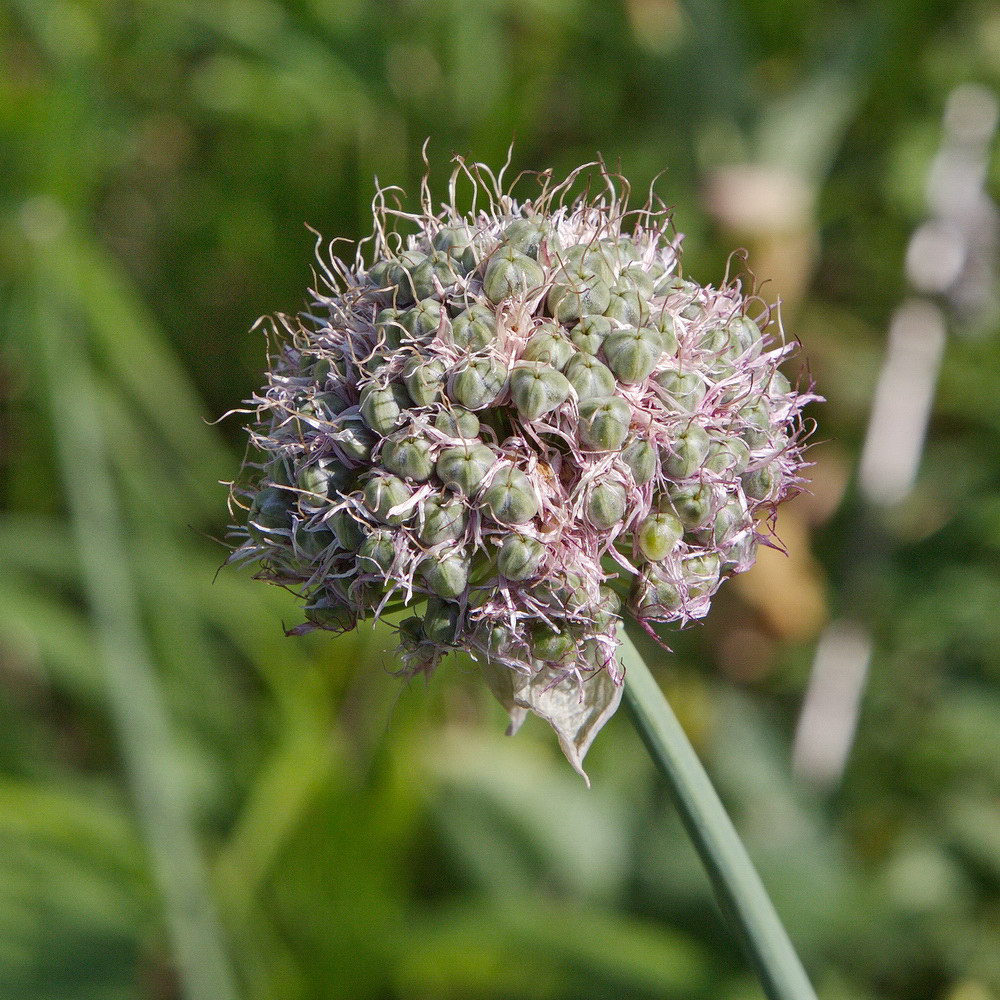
[193,805]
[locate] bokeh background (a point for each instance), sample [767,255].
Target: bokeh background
[193,805]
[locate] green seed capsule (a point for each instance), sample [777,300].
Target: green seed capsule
[426,319]
[441,519]
[536,389]
[457,243]
[590,333]
[276,473]
[635,279]
[423,380]
[592,379]
[729,521]
[760,484]
[324,480]
[400,274]
[550,349]
[445,575]
[457,423]
[757,427]
[509,499]
[588,260]
[729,455]
[479,383]
[701,573]
[270,513]
[520,557]
[409,456]
[779,386]
[465,467]
[383,406]
[745,332]
[550,645]
[683,391]
[389,326]
[632,353]
[654,597]
[330,613]
[658,535]
[377,553]
[436,270]
[378,274]
[312,544]
[581,293]
[640,457]
[527,235]
[440,623]
[319,411]
[626,306]
[474,329]
[353,438]
[604,423]
[606,505]
[693,504]
[663,324]
[349,531]
[384,492]
[686,453]
[511,274]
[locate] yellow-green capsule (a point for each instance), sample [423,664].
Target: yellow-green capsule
[382,406]
[626,305]
[728,456]
[590,333]
[579,292]
[377,553]
[331,613]
[604,423]
[682,391]
[440,624]
[409,456]
[323,480]
[435,271]
[478,384]
[353,437]
[701,573]
[550,348]
[592,379]
[693,504]
[527,236]
[457,242]
[511,274]
[658,535]
[520,557]
[549,645]
[632,352]
[760,484]
[349,530]
[686,453]
[640,457]
[509,499]
[426,319]
[457,422]
[605,506]
[535,389]
[465,467]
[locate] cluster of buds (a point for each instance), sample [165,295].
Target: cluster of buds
[521,423]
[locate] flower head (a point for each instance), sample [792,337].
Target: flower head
[522,423]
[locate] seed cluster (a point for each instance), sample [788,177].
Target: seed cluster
[522,423]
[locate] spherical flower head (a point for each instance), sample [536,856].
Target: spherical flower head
[521,423]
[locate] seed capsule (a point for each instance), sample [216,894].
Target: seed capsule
[389,326]
[549,645]
[683,390]
[270,514]
[479,383]
[634,279]
[693,504]
[353,438]
[549,348]
[441,519]
[511,274]
[435,270]
[527,235]
[423,380]
[604,423]
[382,493]
[349,531]
[323,480]
[509,499]
[457,243]
[377,553]
[760,484]
[663,324]
[409,456]
[330,613]
[757,425]
[730,520]
[658,535]
[590,333]
[440,624]
[465,466]
[626,306]
[383,406]
[399,273]
[580,294]
[701,573]
[446,575]
[728,455]
[426,319]
[640,457]
[520,557]
[312,544]
[536,389]
[654,597]
[457,423]
[606,506]
[590,378]
[632,353]
[474,329]
[686,454]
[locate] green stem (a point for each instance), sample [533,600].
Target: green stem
[738,887]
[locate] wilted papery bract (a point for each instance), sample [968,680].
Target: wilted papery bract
[523,423]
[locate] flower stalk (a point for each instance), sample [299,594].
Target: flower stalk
[738,888]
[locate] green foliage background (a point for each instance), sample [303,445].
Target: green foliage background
[193,805]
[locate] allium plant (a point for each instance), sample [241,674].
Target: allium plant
[522,423]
